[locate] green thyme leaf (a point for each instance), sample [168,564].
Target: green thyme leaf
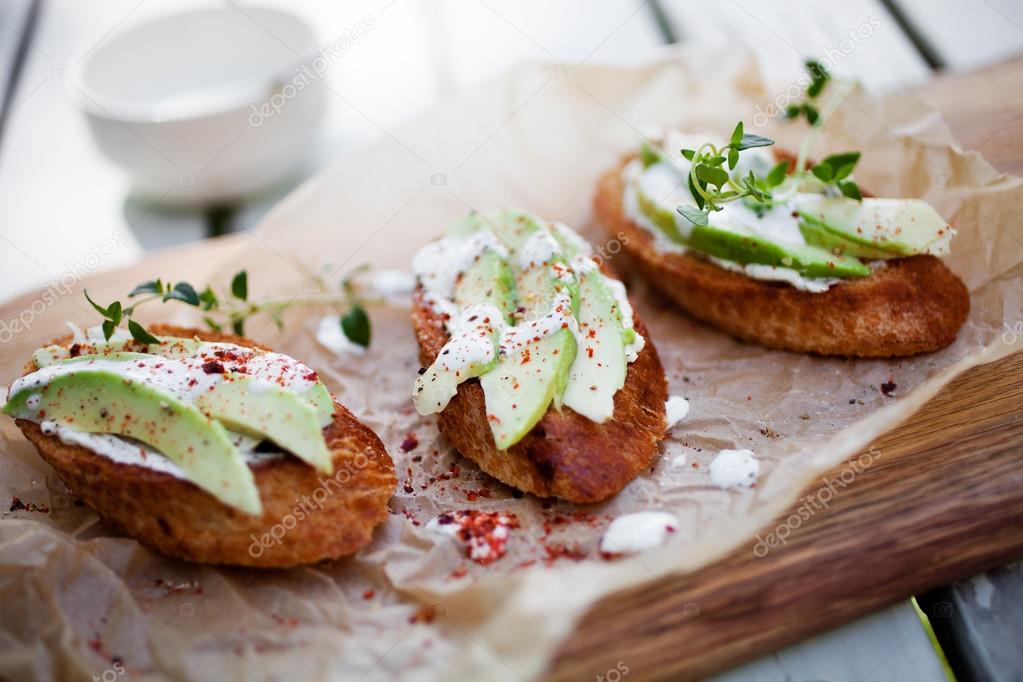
[693,215]
[139,333]
[841,159]
[154,286]
[99,309]
[733,158]
[851,190]
[776,175]
[240,286]
[115,313]
[183,291]
[736,134]
[750,141]
[697,197]
[213,324]
[823,172]
[238,326]
[688,154]
[712,175]
[108,329]
[355,325]
[208,299]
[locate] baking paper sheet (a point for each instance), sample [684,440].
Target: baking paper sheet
[79,602]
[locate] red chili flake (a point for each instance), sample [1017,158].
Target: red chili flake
[311,376]
[410,443]
[75,350]
[473,495]
[484,533]
[16,504]
[213,367]
[589,352]
[525,356]
[368,594]
[888,387]
[557,551]
[425,614]
[459,572]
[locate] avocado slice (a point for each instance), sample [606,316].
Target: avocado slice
[532,371]
[180,349]
[94,399]
[265,410]
[659,216]
[816,234]
[810,261]
[485,294]
[744,246]
[896,227]
[599,369]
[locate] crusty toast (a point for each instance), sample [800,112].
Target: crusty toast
[907,306]
[307,515]
[565,455]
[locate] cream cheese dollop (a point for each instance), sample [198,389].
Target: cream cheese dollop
[675,410]
[734,468]
[638,532]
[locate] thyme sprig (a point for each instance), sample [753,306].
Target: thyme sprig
[712,186]
[231,309]
[809,106]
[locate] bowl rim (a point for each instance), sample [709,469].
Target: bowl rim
[102,106]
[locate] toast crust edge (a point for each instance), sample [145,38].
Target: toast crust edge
[307,516]
[907,307]
[565,455]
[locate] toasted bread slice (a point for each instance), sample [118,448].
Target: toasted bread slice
[565,455]
[907,306]
[307,516]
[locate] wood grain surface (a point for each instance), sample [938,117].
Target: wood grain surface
[943,502]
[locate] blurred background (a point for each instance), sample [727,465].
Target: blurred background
[82,109]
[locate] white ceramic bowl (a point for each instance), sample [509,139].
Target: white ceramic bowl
[206,105]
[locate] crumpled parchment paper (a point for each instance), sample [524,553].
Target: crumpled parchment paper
[79,601]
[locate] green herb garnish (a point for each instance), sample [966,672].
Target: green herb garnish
[234,309]
[712,186]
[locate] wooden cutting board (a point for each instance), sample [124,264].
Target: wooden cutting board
[944,502]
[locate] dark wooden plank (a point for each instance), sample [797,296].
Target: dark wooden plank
[940,504]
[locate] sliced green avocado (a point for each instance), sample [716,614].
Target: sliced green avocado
[599,369]
[745,248]
[897,227]
[524,382]
[816,234]
[177,348]
[264,410]
[513,228]
[810,261]
[96,400]
[466,225]
[661,217]
[488,281]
